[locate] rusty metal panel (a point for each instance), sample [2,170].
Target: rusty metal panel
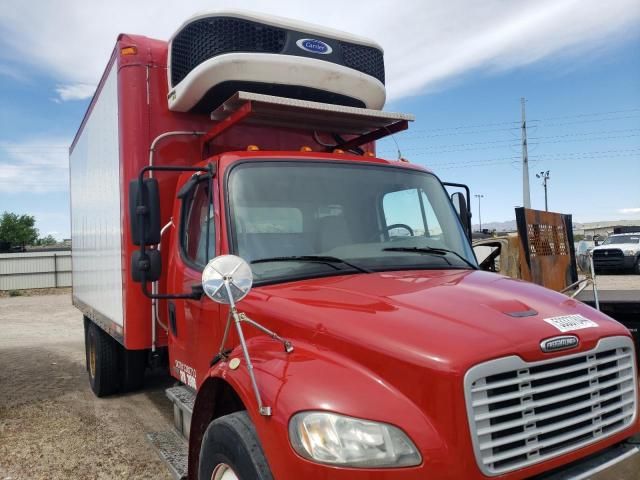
[546,246]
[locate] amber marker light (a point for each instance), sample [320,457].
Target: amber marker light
[337,150]
[252,148]
[305,148]
[128,51]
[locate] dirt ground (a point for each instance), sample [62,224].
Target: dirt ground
[51,424]
[619,282]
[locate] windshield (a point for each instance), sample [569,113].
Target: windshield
[622,239]
[373,217]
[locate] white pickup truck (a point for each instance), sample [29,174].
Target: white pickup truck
[618,252]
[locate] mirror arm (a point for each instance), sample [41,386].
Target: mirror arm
[262,409]
[288,346]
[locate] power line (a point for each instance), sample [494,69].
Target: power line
[408,134]
[591,114]
[588,139]
[428,151]
[593,120]
[541,120]
[465,127]
[458,144]
[601,132]
[613,151]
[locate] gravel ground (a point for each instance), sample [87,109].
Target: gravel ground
[51,424]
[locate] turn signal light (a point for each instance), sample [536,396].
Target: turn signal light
[128,51]
[252,148]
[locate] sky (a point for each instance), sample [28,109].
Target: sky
[460,66]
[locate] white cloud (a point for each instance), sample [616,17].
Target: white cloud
[34,166]
[428,43]
[77,91]
[629,211]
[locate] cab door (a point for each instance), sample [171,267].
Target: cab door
[195,326]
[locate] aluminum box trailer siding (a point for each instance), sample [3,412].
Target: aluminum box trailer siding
[126,113]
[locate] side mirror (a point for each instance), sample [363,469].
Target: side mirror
[460,204]
[227,279]
[147,264]
[144,210]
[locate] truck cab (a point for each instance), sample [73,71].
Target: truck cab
[320,307]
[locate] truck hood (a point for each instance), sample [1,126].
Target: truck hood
[444,320]
[621,246]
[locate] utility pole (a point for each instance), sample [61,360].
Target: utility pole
[479,214]
[545,177]
[526,196]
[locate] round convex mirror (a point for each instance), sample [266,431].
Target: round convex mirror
[231,269]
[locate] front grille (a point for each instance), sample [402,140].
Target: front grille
[524,413]
[205,38]
[611,257]
[367,60]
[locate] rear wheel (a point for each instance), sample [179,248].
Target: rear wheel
[102,360]
[231,451]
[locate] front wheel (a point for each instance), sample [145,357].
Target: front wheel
[231,451]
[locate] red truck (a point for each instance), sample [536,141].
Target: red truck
[321,308]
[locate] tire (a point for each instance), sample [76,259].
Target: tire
[86,322]
[231,442]
[133,364]
[636,269]
[102,361]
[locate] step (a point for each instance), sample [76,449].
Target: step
[183,399]
[173,450]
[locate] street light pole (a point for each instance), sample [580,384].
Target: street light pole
[479,214]
[545,177]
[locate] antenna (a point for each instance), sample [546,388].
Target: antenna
[393,137]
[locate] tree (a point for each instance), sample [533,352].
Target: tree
[46,241]
[18,230]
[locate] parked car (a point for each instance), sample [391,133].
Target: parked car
[583,248]
[618,253]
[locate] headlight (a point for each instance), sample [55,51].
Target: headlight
[351,442]
[630,252]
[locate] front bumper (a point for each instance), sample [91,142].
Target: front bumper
[610,262]
[625,453]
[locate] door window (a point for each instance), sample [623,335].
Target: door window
[197,214]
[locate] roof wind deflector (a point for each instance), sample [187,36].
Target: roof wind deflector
[268,110]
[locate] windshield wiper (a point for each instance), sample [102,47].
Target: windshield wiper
[432,250]
[314,258]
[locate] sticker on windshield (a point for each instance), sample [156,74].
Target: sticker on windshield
[567,323]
